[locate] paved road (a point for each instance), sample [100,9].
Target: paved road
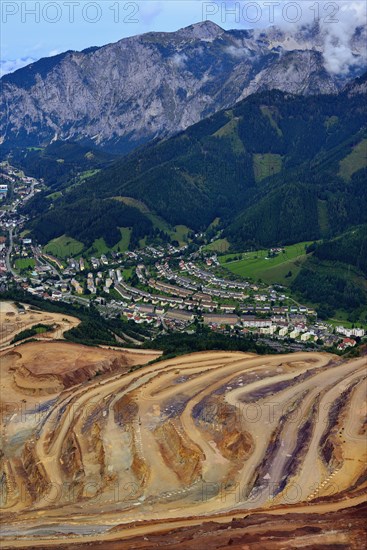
[8,254]
[42,260]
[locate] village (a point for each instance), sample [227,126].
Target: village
[166,288]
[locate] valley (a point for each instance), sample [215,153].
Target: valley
[183,278]
[154,290]
[178,200]
[175,188]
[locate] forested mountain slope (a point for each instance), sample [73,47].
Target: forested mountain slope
[335,275]
[60,162]
[276,168]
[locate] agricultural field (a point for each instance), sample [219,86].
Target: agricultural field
[282,268]
[64,247]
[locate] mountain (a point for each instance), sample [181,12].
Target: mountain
[276,169]
[60,162]
[153,85]
[335,275]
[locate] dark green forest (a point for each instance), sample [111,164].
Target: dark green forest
[60,163]
[89,219]
[349,248]
[204,340]
[335,275]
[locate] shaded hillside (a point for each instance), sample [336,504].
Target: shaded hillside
[90,219]
[349,248]
[335,275]
[60,163]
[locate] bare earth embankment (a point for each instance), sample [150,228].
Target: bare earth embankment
[206,450]
[12,322]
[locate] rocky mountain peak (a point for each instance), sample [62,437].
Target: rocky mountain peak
[204,30]
[156,84]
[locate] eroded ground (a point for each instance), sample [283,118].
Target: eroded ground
[96,453]
[13,322]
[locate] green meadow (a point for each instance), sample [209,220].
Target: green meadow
[257,265]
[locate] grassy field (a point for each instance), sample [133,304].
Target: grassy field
[24,263]
[180,233]
[177,233]
[266,165]
[54,196]
[64,247]
[87,174]
[268,112]
[127,273]
[214,223]
[99,246]
[340,318]
[230,131]
[353,162]
[124,242]
[135,203]
[220,245]
[323,217]
[255,265]
[331,121]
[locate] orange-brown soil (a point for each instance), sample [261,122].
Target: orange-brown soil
[211,449]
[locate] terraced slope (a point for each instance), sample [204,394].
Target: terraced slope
[200,435]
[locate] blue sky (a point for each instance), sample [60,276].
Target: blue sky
[38,28]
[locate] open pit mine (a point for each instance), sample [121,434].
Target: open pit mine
[207,450]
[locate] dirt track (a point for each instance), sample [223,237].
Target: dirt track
[12,322]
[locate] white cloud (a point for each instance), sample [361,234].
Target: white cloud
[338,54]
[11,65]
[236,52]
[164,15]
[338,21]
[179,60]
